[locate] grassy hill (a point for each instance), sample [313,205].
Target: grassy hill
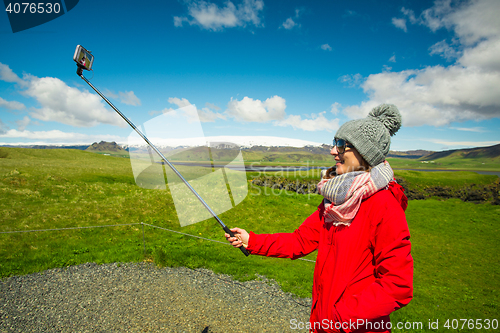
[482,158]
[455,160]
[414,154]
[289,155]
[492,152]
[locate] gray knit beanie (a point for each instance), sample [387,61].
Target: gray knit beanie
[371,136]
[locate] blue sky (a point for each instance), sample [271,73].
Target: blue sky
[258,68]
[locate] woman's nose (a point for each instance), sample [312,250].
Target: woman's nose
[334,151]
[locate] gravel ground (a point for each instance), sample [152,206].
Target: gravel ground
[144,298]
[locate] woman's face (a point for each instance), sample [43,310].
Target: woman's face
[350,160]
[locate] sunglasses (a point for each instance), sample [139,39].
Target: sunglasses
[341,145]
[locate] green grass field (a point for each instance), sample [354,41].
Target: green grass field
[451,162]
[457,271]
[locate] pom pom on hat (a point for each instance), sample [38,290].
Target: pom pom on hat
[371,136]
[388,115]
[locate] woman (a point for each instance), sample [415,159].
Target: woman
[364,269]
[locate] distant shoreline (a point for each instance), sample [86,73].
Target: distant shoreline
[257,168]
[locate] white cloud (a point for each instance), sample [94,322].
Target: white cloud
[129,98]
[209,16]
[108,93]
[212,17]
[289,24]
[204,115]
[179,21]
[273,110]
[409,14]
[393,58]
[60,102]
[326,47]
[212,106]
[434,95]
[477,30]
[484,55]
[471,22]
[68,105]
[254,110]
[352,80]
[446,51]
[437,95]
[207,115]
[11,105]
[399,23]
[7,75]
[21,124]
[335,108]
[470,129]
[434,17]
[316,122]
[249,109]
[180,102]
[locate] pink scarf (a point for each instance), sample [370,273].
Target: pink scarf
[344,193]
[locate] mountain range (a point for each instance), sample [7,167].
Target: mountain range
[291,148]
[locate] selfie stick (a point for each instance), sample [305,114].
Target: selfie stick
[226,229]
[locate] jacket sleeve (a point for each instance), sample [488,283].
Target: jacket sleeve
[293,245]
[393,285]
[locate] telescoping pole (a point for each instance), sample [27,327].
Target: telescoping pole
[226,229]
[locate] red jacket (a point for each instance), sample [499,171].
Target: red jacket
[363,271]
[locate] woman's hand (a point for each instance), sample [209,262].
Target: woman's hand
[240,237]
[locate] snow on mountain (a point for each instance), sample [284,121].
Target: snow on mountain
[242,141]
